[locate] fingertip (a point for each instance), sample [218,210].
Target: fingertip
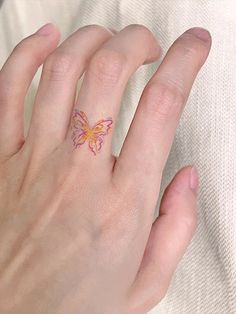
[155,51]
[180,197]
[201,33]
[185,180]
[49,30]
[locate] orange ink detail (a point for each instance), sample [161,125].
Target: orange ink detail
[82,132]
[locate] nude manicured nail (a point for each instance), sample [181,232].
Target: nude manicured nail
[200,33]
[194,179]
[45,29]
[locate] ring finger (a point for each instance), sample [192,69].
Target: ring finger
[104,82]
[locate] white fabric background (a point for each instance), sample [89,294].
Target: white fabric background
[205,281]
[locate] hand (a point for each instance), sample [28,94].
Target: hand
[76,223]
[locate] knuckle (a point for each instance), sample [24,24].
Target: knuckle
[145,35]
[26,45]
[95,28]
[21,46]
[58,65]
[91,27]
[25,50]
[140,28]
[107,65]
[29,50]
[163,100]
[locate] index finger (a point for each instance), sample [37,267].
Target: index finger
[147,145]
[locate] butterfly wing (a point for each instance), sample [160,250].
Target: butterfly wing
[100,129]
[80,126]
[79,120]
[78,137]
[95,144]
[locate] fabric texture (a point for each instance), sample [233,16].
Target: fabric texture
[205,280]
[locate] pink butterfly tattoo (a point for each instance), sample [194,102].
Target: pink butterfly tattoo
[83,132]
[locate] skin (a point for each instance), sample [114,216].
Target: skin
[77,231]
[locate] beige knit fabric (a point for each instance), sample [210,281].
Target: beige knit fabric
[205,281]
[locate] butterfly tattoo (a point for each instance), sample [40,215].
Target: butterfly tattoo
[83,132]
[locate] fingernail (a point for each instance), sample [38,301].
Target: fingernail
[45,29]
[194,180]
[200,33]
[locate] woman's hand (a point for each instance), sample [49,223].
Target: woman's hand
[76,224]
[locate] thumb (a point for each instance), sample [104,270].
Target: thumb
[169,237]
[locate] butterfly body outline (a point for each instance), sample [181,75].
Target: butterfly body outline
[83,132]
